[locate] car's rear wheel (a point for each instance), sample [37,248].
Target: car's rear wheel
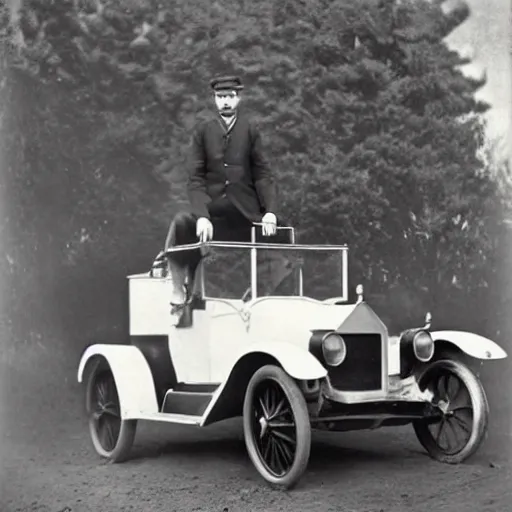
[276,426]
[111,436]
[460,428]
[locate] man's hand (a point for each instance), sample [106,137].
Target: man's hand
[269,222]
[204,229]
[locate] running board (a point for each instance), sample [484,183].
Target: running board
[186,403]
[196,387]
[181,419]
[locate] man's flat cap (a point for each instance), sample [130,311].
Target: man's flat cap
[226,82]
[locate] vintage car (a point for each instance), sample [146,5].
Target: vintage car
[287,361]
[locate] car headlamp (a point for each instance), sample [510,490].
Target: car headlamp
[334,349]
[423,346]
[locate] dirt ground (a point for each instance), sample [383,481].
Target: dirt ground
[48,465]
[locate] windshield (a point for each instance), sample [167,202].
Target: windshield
[315,272]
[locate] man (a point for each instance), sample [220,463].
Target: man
[230,186]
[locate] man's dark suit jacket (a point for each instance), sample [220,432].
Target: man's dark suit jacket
[230,164]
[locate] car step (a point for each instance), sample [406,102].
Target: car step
[189,403]
[195,387]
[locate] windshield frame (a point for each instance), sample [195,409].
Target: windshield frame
[254,246]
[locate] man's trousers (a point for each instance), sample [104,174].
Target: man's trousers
[230,273]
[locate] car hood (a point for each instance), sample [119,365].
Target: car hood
[294,318]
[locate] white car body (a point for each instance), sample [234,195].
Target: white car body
[228,329]
[285,363]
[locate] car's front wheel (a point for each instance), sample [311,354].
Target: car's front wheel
[458,430]
[276,426]
[111,436]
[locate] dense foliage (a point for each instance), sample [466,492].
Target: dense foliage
[371,127]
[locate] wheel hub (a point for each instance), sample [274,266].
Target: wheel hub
[263,425]
[444,406]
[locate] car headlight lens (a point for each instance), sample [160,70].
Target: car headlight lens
[334,349]
[423,346]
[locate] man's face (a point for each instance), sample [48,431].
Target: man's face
[227,102]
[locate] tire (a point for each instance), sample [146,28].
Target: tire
[288,441]
[437,377]
[101,391]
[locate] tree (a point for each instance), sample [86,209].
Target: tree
[371,126]
[412,193]
[74,189]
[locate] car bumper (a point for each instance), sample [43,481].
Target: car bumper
[400,403]
[395,390]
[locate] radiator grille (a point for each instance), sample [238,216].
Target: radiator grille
[362,368]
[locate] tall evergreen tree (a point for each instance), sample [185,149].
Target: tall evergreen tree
[372,128]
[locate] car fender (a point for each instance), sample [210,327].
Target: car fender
[132,376]
[297,362]
[472,344]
